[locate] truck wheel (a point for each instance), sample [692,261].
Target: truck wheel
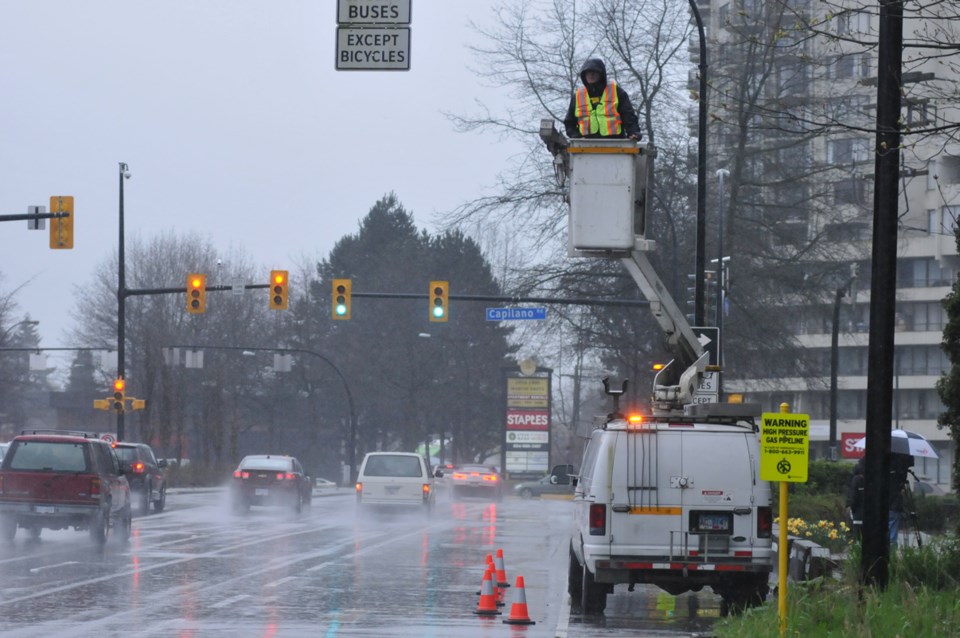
[8,527]
[526,493]
[574,580]
[593,597]
[161,502]
[99,524]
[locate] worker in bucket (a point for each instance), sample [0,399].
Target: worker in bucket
[600,108]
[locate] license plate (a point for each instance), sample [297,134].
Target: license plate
[45,509]
[393,489]
[261,492]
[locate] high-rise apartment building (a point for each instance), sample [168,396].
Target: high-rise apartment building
[792,107]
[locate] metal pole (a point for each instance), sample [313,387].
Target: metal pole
[701,257]
[721,278]
[834,364]
[121,301]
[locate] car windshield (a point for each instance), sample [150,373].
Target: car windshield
[392,465]
[48,456]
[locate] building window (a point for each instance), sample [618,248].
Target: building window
[847,151]
[923,273]
[948,223]
[932,175]
[848,191]
[934,224]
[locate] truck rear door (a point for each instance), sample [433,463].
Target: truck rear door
[649,514]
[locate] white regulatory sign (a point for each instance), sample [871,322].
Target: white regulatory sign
[373,12]
[373,48]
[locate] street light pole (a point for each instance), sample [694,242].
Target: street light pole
[24,322]
[834,364]
[701,256]
[352,452]
[121,299]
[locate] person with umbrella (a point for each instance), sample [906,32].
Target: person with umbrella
[904,445]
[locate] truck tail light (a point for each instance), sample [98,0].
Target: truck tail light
[764,522]
[138,467]
[359,490]
[95,487]
[426,492]
[598,519]
[1,485]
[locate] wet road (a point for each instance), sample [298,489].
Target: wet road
[199,570]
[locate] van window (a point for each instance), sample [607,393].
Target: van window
[589,457]
[393,465]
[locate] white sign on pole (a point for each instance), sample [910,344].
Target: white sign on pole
[708,392]
[373,12]
[373,49]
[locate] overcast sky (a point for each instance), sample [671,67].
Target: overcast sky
[234,122]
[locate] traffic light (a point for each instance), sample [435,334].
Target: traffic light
[439,307]
[278,290]
[196,293]
[119,386]
[61,228]
[341,298]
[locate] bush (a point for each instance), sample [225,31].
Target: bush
[935,514]
[198,475]
[826,477]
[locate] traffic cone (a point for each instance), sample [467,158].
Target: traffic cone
[518,610]
[487,605]
[501,571]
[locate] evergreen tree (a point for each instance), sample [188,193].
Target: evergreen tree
[948,386]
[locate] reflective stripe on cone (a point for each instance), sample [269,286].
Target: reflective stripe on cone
[487,605]
[518,610]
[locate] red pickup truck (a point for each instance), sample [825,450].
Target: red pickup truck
[57,480]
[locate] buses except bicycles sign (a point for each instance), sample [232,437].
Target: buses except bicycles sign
[784,447]
[369,35]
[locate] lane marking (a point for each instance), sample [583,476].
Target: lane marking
[563,622]
[277,583]
[34,570]
[229,601]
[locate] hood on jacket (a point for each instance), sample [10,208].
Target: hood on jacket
[594,64]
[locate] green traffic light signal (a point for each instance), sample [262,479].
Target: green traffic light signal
[341,298]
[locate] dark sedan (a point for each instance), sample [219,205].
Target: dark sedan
[270,479]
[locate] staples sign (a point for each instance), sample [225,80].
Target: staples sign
[528,420]
[847,441]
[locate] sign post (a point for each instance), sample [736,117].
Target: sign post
[784,457]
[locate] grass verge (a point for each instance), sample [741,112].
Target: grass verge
[922,600]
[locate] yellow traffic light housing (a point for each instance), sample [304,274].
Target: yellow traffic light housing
[439,301]
[278,290]
[342,288]
[61,228]
[196,293]
[119,392]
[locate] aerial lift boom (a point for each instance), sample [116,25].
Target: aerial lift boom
[606,183]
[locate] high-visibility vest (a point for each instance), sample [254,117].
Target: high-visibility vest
[605,118]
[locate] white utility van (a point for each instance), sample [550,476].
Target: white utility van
[394,480]
[674,501]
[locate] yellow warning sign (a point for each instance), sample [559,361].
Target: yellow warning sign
[784,447]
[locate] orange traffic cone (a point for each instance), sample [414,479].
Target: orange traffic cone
[518,610]
[487,605]
[501,571]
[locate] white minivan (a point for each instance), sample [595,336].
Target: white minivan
[675,501]
[394,480]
